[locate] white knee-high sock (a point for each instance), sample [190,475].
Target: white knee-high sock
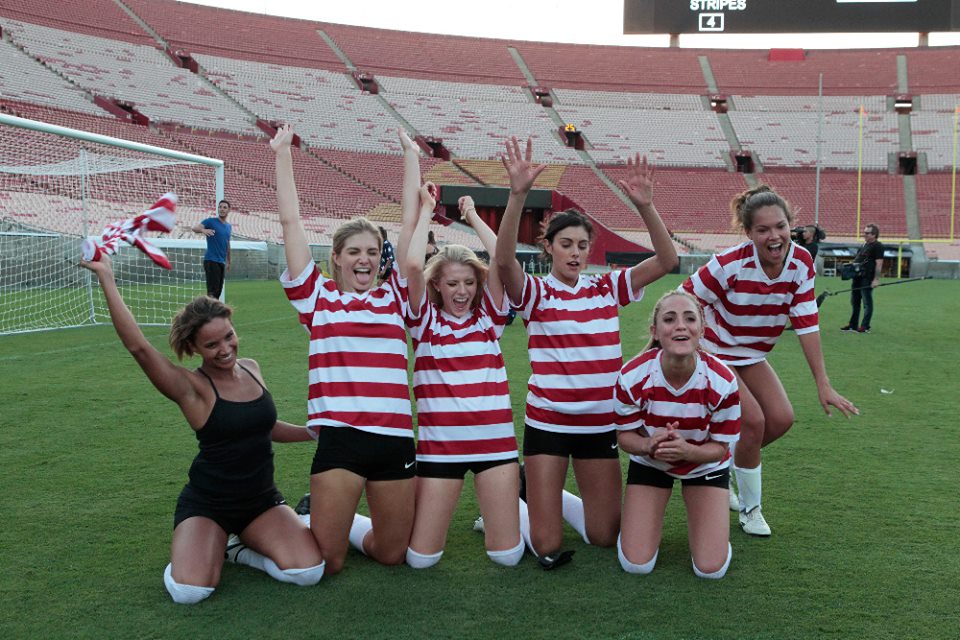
[304,577]
[184,593]
[525,527]
[750,487]
[573,513]
[631,567]
[358,531]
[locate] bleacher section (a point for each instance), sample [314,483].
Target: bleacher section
[472,94]
[135,73]
[845,73]
[22,79]
[102,18]
[789,138]
[427,56]
[678,138]
[602,68]
[247,36]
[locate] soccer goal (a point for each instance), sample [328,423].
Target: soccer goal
[59,186]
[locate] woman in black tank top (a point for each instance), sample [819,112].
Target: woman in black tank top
[231,488]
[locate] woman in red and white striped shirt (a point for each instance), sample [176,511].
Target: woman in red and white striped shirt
[678,411]
[358,400]
[574,347]
[748,293]
[464,417]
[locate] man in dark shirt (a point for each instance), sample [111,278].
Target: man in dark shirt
[810,240]
[869,258]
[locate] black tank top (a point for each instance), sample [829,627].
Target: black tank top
[235,462]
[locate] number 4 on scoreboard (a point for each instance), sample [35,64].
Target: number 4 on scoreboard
[711,22]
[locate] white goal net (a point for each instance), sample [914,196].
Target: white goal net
[59,186]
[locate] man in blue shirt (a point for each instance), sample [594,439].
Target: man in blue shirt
[216,260]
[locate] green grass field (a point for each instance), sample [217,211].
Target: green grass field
[864,512]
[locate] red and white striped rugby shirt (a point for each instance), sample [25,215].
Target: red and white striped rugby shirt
[460,383]
[574,346]
[707,407]
[358,353]
[745,311]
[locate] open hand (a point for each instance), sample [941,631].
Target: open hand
[830,398]
[519,166]
[639,182]
[283,138]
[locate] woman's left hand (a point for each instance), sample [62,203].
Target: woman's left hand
[829,397]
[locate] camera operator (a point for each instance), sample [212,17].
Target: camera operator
[808,237]
[868,263]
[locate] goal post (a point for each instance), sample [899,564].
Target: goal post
[59,186]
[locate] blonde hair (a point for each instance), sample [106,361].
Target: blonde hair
[453,254]
[343,233]
[190,319]
[653,343]
[744,205]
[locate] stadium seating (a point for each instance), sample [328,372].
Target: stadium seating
[933,70]
[102,18]
[933,200]
[23,80]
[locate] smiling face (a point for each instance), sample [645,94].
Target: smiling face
[569,250]
[770,232]
[457,287]
[358,262]
[223,209]
[217,343]
[678,325]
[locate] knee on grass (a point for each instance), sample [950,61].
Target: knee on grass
[184,593]
[422,560]
[508,557]
[717,574]
[631,567]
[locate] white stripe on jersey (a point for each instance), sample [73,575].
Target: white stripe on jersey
[574,353]
[707,407]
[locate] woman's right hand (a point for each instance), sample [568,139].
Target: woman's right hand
[406,143]
[467,209]
[520,166]
[103,267]
[427,200]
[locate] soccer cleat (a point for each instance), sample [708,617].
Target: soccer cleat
[753,522]
[478,524]
[234,547]
[523,482]
[303,507]
[848,328]
[863,330]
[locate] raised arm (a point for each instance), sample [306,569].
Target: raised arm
[639,188]
[417,249]
[812,351]
[522,176]
[409,200]
[168,378]
[295,244]
[489,240]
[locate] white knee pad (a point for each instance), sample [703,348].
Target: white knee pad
[719,573]
[422,561]
[630,567]
[508,557]
[184,593]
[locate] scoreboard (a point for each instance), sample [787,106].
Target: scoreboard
[789,16]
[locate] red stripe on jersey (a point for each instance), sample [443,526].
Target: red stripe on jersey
[304,290]
[357,359]
[445,339]
[553,314]
[574,340]
[566,395]
[575,368]
[358,330]
[464,419]
[367,304]
[750,331]
[360,390]
[465,447]
[753,287]
[476,390]
[464,363]
[547,416]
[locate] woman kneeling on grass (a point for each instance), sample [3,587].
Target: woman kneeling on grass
[679,409]
[231,489]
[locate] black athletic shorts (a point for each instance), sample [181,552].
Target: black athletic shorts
[579,445]
[458,470]
[642,474]
[233,517]
[371,455]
